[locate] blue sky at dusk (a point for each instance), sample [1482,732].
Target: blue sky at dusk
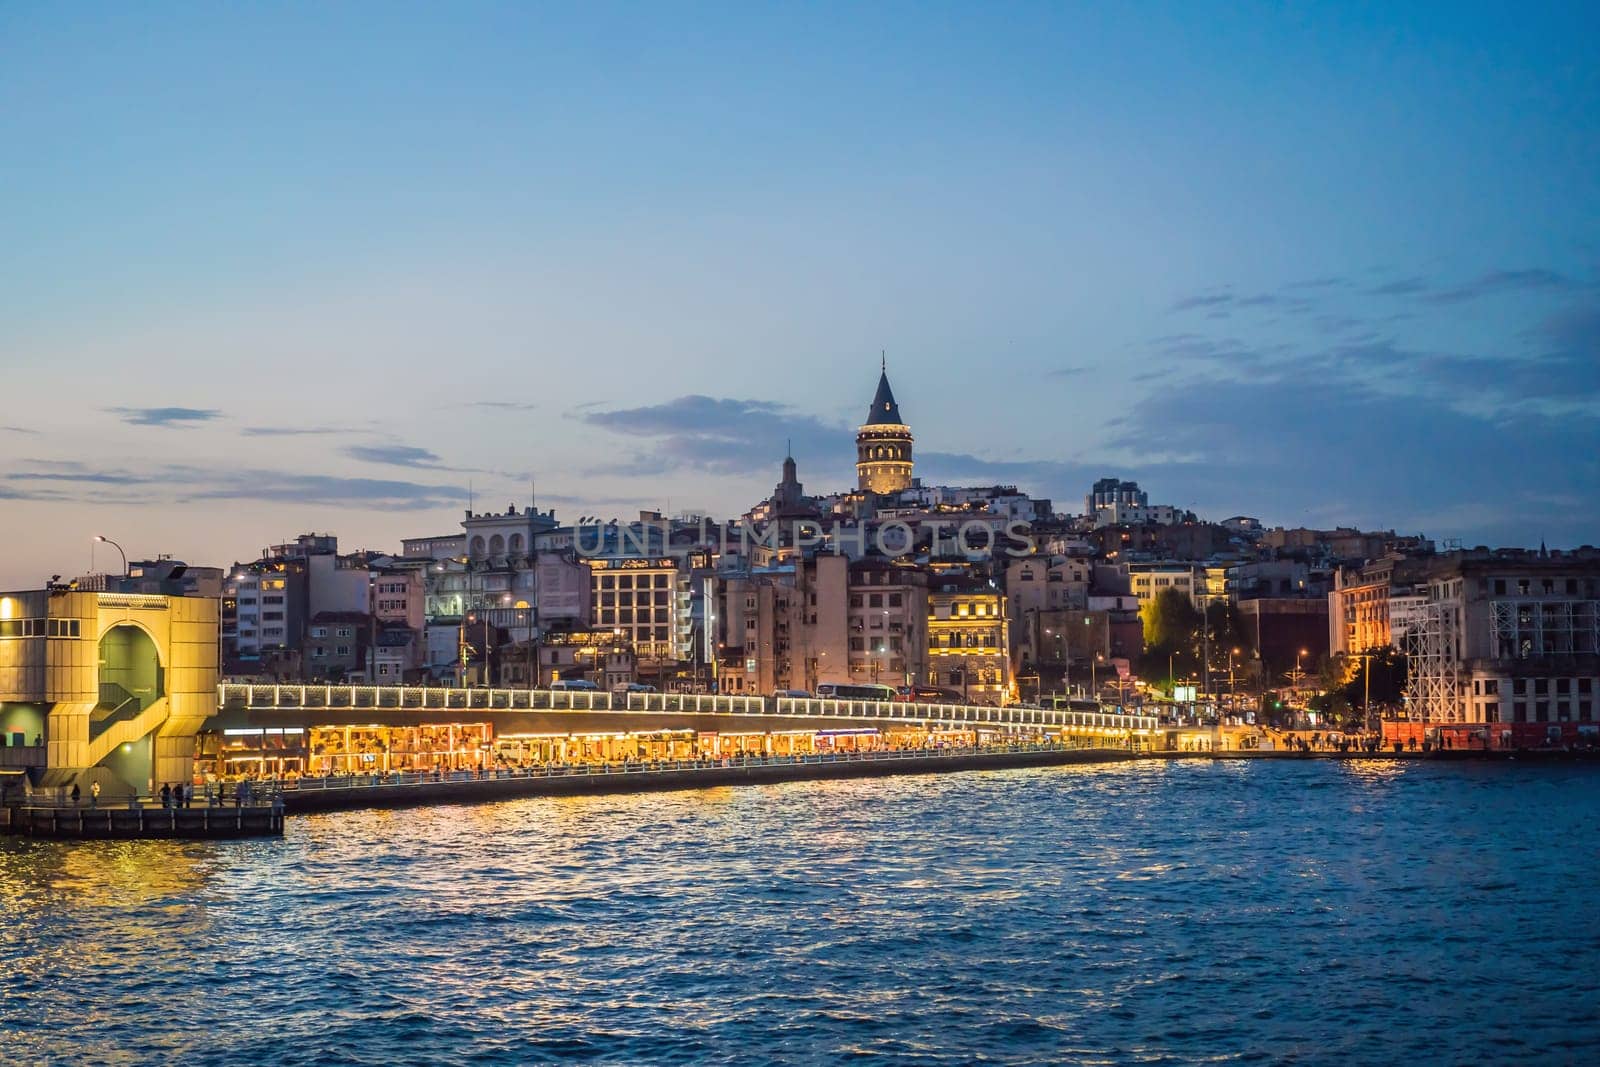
[272,269]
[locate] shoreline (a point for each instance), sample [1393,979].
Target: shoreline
[373,792]
[298,801]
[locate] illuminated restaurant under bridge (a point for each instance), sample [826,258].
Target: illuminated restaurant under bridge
[271,730]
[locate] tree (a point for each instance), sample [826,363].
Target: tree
[1380,673]
[1170,621]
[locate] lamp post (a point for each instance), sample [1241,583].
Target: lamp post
[1233,691]
[103,539]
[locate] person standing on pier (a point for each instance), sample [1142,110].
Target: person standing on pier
[75,794]
[166,795]
[94,794]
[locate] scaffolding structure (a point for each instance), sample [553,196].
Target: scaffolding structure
[1524,629]
[1432,645]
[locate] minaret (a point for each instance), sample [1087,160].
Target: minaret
[789,498]
[883,444]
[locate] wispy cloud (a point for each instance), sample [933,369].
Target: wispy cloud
[170,418]
[1491,283]
[1203,300]
[500,405]
[374,493]
[295,431]
[18,429]
[1497,282]
[179,483]
[82,477]
[1399,287]
[714,434]
[394,455]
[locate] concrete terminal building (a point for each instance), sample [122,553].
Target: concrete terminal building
[106,686]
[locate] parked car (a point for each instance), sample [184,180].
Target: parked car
[632,687]
[795,694]
[574,685]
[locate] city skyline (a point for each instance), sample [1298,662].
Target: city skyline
[629,258]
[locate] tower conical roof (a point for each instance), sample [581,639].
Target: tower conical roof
[884,410]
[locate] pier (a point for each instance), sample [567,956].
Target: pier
[138,821]
[403,790]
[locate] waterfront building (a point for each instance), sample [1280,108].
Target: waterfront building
[1508,637]
[1286,632]
[105,687]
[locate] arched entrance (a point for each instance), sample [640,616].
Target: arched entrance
[131,677]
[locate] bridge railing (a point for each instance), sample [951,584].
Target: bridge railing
[419,698]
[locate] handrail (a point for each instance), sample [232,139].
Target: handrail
[424,698]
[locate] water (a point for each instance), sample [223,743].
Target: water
[1237,911]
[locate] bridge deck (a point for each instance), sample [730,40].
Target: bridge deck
[342,702]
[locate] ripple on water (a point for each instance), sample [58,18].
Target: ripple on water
[1148,913]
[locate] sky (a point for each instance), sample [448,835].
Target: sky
[280,268]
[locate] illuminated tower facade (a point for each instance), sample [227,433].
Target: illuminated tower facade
[883,445]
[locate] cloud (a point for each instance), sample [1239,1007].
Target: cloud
[374,493]
[500,405]
[1399,287]
[1219,304]
[8,492]
[295,431]
[82,477]
[1042,476]
[394,455]
[1203,300]
[181,483]
[166,417]
[1504,281]
[1069,372]
[713,434]
[19,429]
[1491,283]
[1389,461]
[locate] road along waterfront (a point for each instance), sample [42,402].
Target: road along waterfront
[1349,912]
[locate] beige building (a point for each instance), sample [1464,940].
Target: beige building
[107,687]
[969,639]
[828,619]
[636,597]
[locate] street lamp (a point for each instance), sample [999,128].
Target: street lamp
[103,539]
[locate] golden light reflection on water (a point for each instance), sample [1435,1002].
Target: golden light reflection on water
[981,915]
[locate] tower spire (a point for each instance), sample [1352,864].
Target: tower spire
[883,360]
